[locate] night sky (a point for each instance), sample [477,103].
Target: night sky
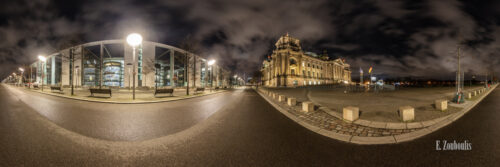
[397,38]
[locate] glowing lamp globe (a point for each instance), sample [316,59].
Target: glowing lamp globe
[211,62]
[42,58]
[134,39]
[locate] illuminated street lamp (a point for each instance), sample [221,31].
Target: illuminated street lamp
[134,40]
[211,63]
[43,59]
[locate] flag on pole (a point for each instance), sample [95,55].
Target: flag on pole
[370,70]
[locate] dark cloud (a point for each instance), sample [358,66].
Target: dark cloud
[398,38]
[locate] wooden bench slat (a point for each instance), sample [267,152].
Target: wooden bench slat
[56,88]
[199,90]
[100,91]
[159,91]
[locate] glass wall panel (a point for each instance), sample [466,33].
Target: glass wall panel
[53,69]
[162,57]
[91,65]
[40,68]
[203,73]
[179,66]
[139,65]
[58,69]
[210,75]
[113,70]
[48,71]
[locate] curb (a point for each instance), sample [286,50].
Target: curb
[427,126]
[115,102]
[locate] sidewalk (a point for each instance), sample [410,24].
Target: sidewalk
[124,96]
[322,121]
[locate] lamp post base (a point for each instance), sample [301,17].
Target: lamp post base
[459,98]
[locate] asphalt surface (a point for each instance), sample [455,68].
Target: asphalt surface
[236,128]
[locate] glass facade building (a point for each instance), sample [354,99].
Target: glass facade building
[109,64]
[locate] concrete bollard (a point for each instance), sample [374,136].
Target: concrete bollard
[281,98]
[291,101]
[407,113]
[350,113]
[307,106]
[474,93]
[442,105]
[469,95]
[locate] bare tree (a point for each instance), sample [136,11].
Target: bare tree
[190,46]
[69,42]
[148,67]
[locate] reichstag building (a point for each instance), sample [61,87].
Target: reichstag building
[290,66]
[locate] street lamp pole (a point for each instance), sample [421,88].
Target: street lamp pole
[22,76]
[133,73]
[77,76]
[31,75]
[211,78]
[134,40]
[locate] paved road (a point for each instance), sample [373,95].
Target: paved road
[236,128]
[122,122]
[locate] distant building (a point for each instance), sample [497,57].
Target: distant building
[290,66]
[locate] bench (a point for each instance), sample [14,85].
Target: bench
[159,91]
[58,88]
[100,91]
[199,90]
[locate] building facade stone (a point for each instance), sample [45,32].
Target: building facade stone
[290,66]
